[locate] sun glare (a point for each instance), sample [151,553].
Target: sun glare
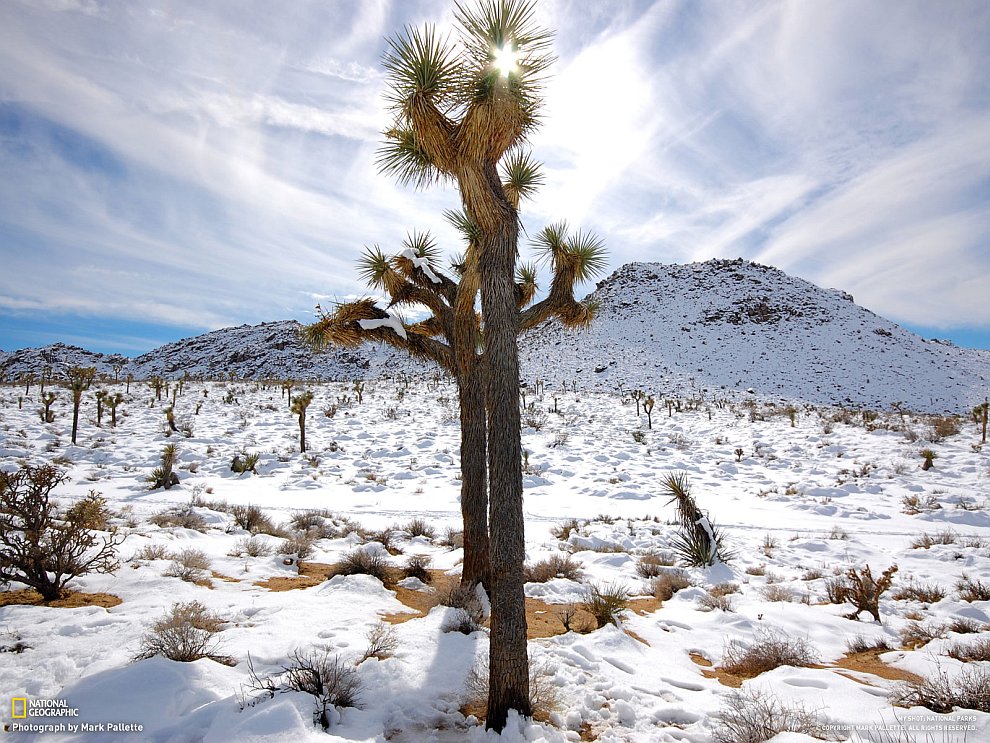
[506,60]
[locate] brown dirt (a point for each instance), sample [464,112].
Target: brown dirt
[310,574]
[30,597]
[869,662]
[221,576]
[865,662]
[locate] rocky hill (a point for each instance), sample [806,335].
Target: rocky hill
[735,325]
[722,327]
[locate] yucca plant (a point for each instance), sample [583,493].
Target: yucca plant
[80,378]
[47,400]
[101,398]
[980,414]
[929,456]
[698,541]
[163,476]
[112,401]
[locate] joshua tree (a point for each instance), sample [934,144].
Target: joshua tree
[28,379]
[980,416]
[112,401]
[128,380]
[164,475]
[287,386]
[158,385]
[299,404]
[648,404]
[46,374]
[101,398]
[80,378]
[47,398]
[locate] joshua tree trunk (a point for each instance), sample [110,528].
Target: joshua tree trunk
[508,660]
[76,401]
[474,479]
[302,431]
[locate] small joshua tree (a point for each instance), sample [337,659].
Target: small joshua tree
[47,415]
[980,414]
[112,401]
[862,590]
[929,456]
[158,385]
[699,541]
[648,404]
[101,399]
[42,546]
[299,405]
[80,378]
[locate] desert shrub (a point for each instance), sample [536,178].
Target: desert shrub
[916,634]
[926,593]
[968,690]
[757,570]
[189,565]
[460,620]
[331,681]
[364,562]
[777,593]
[315,524]
[861,644]
[709,601]
[387,539]
[770,649]
[813,574]
[972,590]
[419,527]
[861,589]
[544,697]
[554,566]
[300,545]
[665,585]
[252,547]
[914,504]
[418,566]
[926,540]
[254,520]
[382,642]
[464,598]
[944,426]
[965,626]
[605,602]
[724,589]
[452,539]
[753,716]
[40,545]
[652,563]
[974,651]
[563,530]
[181,518]
[90,512]
[152,552]
[186,633]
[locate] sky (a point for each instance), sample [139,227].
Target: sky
[171,167]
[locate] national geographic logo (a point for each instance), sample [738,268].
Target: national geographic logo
[57,716]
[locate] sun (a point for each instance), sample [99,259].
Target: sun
[506,60]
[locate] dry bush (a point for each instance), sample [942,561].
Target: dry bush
[605,602]
[387,539]
[914,504]
[770,649]
[926,540]
[926,593]
[813,574]
[757,570]
[331,681]
[189,565]
[186,633]
[916,634]
[39,545]
[860,644]
[180,518]
[563,530]
[943,427]
[544,697]
[972,590]
[965,626]
[363,562]
[90,512]
[419,527]
[664,586]
[968,690]
[554,566]
[452,539]
[974,651]
[418,566]
[652,563]
[252,547]
[724,589]
[382,642]
[153,552]
[460,620]
[861,589]
[709,601]
[753,716]
[254,520]
[314,524]
[300,545]
[777,593]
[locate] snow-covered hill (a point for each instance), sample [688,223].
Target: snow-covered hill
[729,325]
[716,327]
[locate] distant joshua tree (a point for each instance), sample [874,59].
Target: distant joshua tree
[80,378]
[299,404]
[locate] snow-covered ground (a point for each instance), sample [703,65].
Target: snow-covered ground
[799,502]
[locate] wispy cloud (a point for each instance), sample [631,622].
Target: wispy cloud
[213,163]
